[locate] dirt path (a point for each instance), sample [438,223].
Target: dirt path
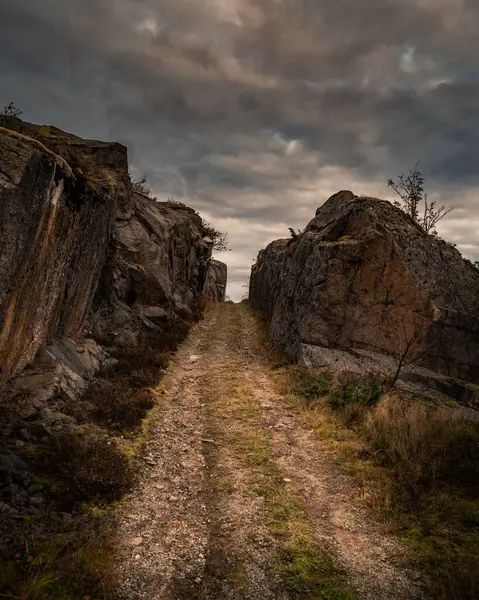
[236,499]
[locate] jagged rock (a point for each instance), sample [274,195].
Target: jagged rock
[54,234]
[84,260]
[39,430]
[216,278]
[153,312]
[156,273]
[73,364]
[35,488]
[364,278]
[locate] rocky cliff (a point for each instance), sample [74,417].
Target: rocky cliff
[84,261]
[216,277]
[363,286]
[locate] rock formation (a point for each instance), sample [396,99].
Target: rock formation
[216,277]
[84,261]
[363,287]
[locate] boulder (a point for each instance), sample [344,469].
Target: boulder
[363,286]
[216,278]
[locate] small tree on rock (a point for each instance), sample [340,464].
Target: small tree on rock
[10,110]
[411,191]
[220,239]
[140,186]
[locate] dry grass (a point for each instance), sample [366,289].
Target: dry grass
[418,466]
[98,178]
[423,445]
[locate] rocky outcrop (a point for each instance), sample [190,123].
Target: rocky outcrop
[85,263]
[156,272]
[363,287]
[54,235]
[216,277]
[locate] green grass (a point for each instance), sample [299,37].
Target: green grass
[309,573]
[309,387]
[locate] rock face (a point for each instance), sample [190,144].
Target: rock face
[84,261]
[156,271]
[364,284]
[216,278]
[54,236]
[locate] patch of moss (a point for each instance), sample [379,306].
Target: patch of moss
[443,540]
[309,573]
[453,404]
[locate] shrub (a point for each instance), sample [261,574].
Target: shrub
[141,364]
[348,390]
[203,304]
[351,396]
[166,340]
[295,234]
[310,386]
[119,406]
[90,464]
[347,395]
[140,186]
[220,239]
[10,110]
[423,445]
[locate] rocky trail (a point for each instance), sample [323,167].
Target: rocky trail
[236,499]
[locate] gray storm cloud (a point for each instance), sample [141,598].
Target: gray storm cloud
[253,112]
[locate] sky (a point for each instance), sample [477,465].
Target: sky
[254,112]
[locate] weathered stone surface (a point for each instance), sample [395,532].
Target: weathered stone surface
[364,278]
[54,236]
[156,271]
[63,369]
[84,261]
[216,278]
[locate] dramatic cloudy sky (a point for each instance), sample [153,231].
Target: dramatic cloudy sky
[255,111]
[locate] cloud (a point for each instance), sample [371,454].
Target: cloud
[254,111]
